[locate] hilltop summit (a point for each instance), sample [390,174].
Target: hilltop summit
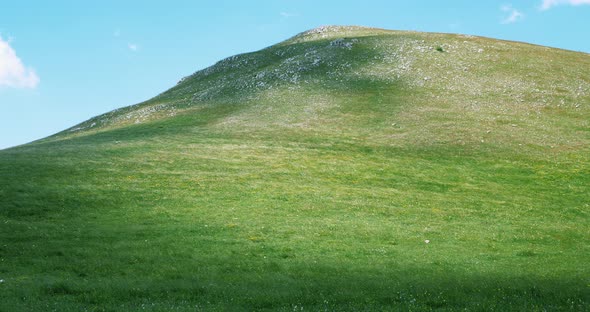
[403,78]
[344,169]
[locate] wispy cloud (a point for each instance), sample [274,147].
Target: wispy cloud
[13,72]
[121,38]
[133,47]
[288,14]
[513,16]
[548,4]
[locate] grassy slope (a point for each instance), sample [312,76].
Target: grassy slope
[308,176]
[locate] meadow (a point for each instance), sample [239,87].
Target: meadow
[345,169]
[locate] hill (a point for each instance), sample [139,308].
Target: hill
[346,168]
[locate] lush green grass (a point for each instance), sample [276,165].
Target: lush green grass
[317,193]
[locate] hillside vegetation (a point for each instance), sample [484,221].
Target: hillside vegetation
[344,169]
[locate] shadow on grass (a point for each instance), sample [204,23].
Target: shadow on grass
[316,288]
[232,96]
[69,246]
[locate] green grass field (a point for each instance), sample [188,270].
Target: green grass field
[345,169]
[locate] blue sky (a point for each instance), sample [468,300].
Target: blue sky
[62,62]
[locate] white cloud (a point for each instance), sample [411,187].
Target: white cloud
[13,72]
[548,4]
[133,47]
[287,14]
[514,15]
